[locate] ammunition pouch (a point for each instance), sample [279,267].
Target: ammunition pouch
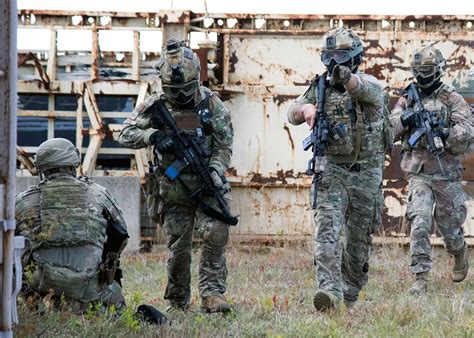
[79,285]
[154,203]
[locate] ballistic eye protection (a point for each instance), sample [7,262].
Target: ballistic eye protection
[339,56]
[424,71]
[186,89]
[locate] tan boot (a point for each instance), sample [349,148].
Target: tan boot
[461,265]
[325,300]
[174,311]
[420,286]
[215,303]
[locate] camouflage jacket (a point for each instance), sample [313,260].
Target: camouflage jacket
[365,100]
[138,128]
[70,225]
[101,212]
[452,110]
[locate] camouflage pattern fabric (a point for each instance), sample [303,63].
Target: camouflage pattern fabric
[63,220]
[179,223]
[348,212]
[349,201]
[138,128]
[430,189]
[450,108]
[449,213]
[179,214]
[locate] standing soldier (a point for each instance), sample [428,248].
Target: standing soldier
[201,114]
[349,196]
[75,233]
[434,168]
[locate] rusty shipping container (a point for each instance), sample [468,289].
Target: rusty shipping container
[259,65]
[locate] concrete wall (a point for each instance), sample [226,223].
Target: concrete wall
[126,190]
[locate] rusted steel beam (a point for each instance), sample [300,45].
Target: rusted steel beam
[136,56]
[26,160]
[184,16]
[69,114]
[104,87]
[95,55]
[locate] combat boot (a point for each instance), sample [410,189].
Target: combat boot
[420,286]
[461,264]
[325,300]
[215,303]
[176,310]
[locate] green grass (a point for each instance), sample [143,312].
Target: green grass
[272,291]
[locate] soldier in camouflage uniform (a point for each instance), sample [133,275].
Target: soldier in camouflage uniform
[197,111]
[349,198]
[75,233]
[430,187]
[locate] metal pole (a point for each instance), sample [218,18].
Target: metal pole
[8,98]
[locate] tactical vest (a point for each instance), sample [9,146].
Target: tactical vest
[196,122]
[438,105]
[359,139]
[70,217]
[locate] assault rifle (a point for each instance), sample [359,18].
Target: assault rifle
[426,124]
[190,152]
[318,140]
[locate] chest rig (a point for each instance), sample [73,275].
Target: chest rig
[352,136]
[438,105]
[196,122]
[70,215]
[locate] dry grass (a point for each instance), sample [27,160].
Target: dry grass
[272,291]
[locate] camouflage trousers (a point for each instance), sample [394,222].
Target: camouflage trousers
[179,223]
[349,206]
[440,197]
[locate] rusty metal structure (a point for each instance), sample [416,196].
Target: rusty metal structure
[259,65]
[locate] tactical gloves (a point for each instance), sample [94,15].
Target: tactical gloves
[340,74]
[408,118]
[216,178]
[441,133]
[163,143]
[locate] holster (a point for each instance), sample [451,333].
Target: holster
[108,268]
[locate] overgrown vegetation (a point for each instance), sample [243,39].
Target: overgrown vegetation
[272,291]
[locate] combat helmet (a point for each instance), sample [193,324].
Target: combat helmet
[341,46]
[427,65]
[179,70]
[56,153]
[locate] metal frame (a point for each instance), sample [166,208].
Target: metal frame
[384,36]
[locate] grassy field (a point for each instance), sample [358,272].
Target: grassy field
[272,291]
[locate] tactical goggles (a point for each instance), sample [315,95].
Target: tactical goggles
[424,71]
[187,89]
[339,56]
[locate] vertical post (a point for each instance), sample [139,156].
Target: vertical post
[79,123]
[8,94]
[95,54]
[51,118]
[51,70]
[225,66]
[136,56]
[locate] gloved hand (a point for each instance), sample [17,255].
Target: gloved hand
[340,74]
[441,133]
[408,118]
[164,144]
[216,178]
